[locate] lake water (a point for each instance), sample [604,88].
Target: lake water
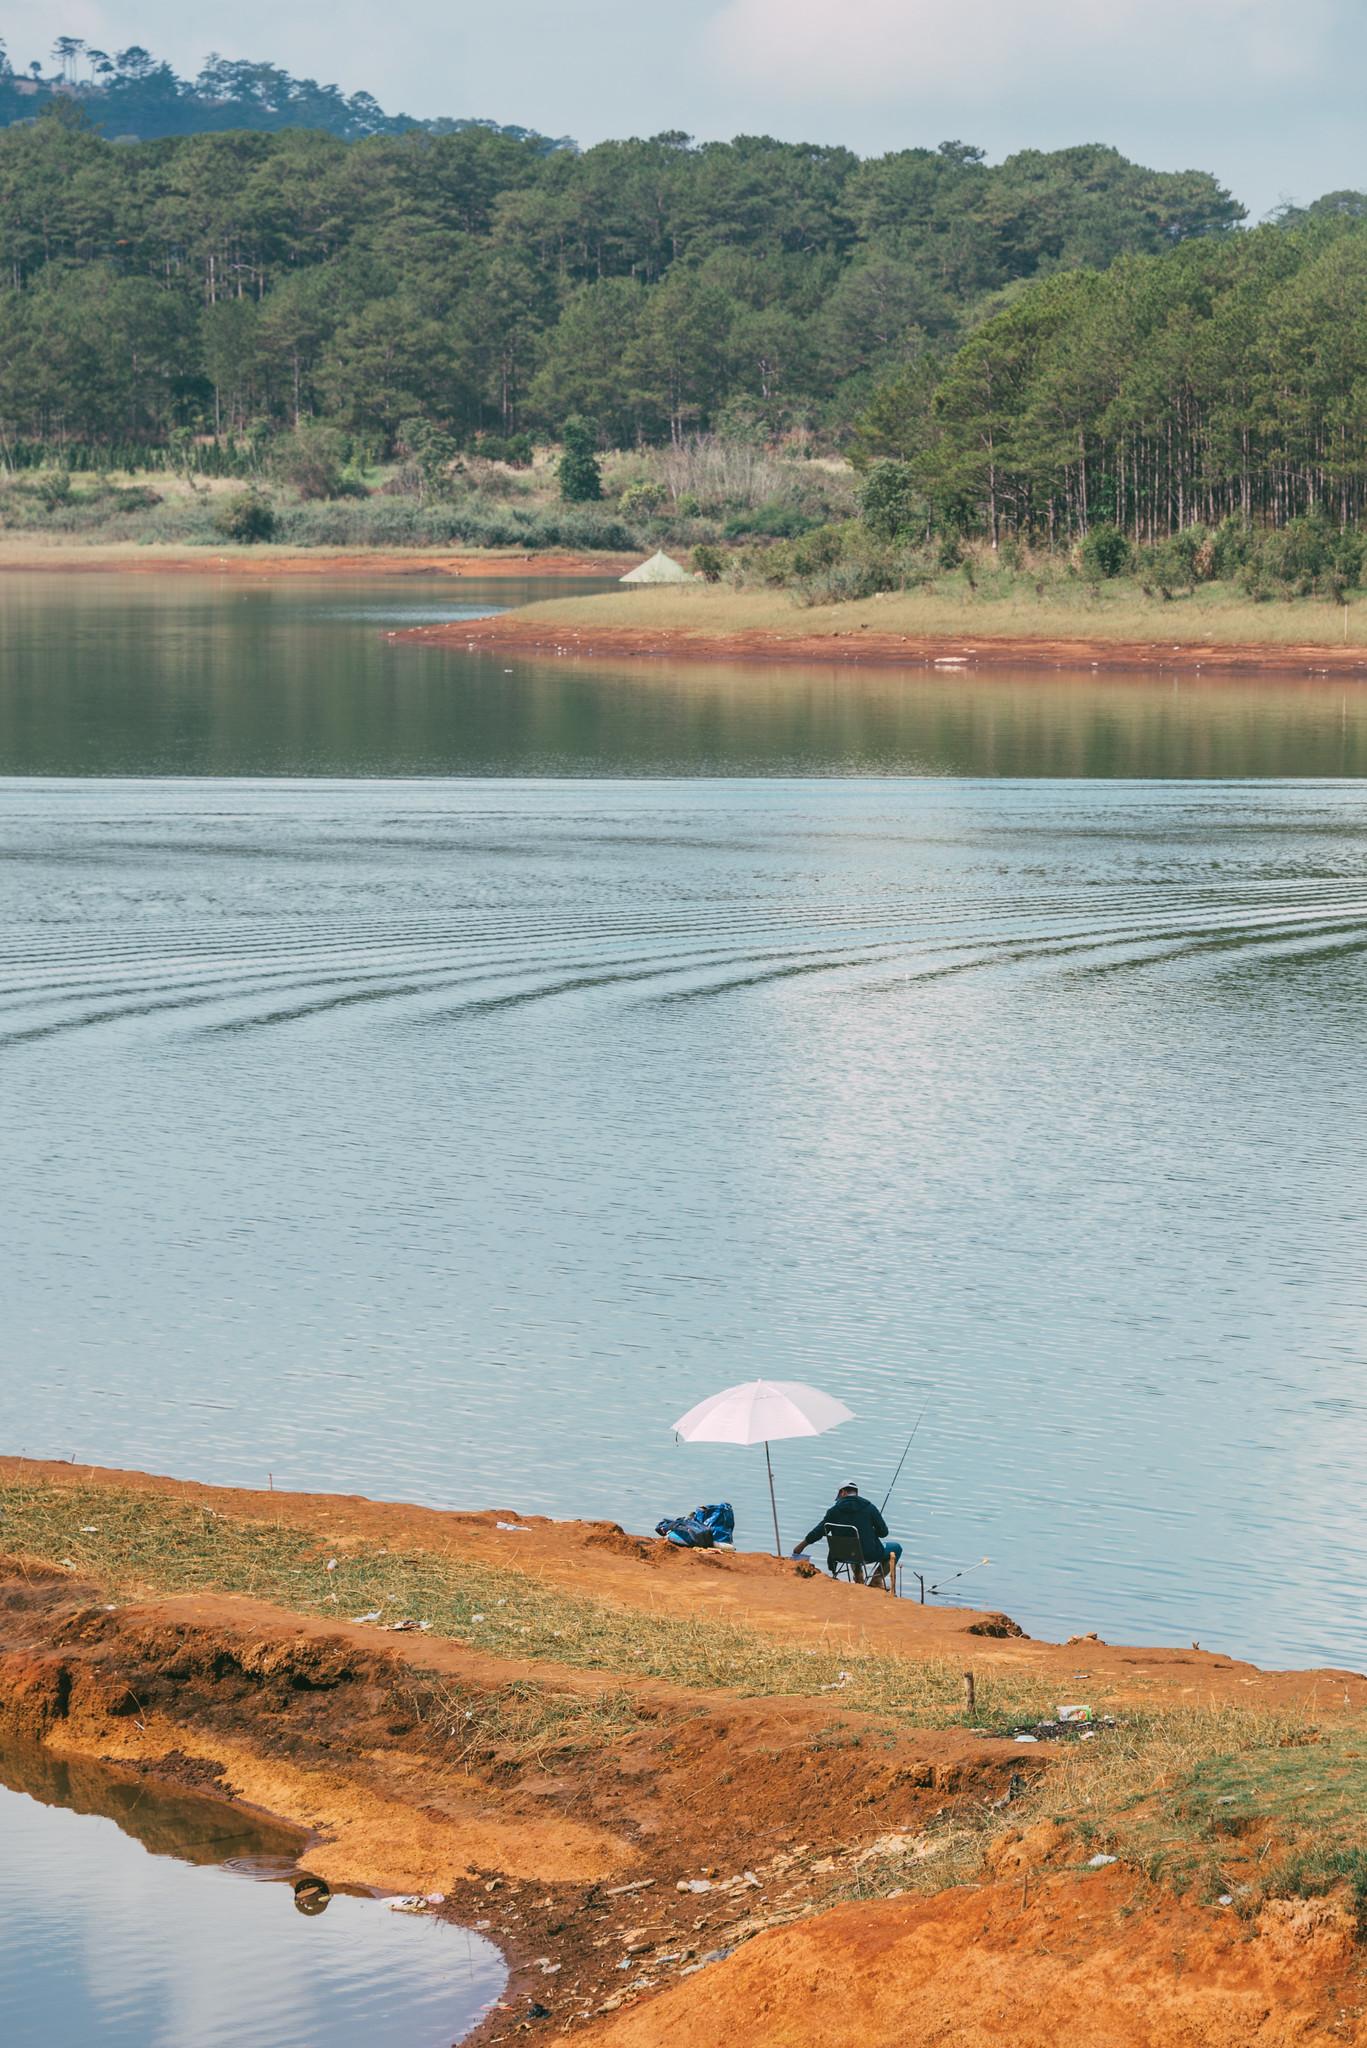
[134,1917]
[427,1076]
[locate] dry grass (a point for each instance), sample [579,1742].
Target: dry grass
[1010,609]
[132,1543]
[1224,1804]
[517,1726]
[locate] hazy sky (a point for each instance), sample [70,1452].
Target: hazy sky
[1262,92]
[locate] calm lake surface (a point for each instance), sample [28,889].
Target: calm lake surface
[133,1917]
[428,1076]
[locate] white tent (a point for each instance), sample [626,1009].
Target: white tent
[661,568]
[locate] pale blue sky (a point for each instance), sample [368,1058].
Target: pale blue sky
[1263,92]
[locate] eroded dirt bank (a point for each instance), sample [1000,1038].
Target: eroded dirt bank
[663,1862]
[514,633]
[412,1775]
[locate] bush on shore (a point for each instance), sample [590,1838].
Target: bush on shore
[868,557]
[246,518]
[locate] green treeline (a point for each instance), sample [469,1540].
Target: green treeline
[131,95]
[1056,344]
[242,282]
[1225,380]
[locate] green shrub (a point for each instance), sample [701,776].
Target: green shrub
[889,503]
[581,479]
[847,581]
[1350,550]
[127,499]
[1105,553]
[313,458]
[645,496]
[709,562]
[247,517]
[431,455]
[770,521]
[1307,555]
[820,549]
[1230,545]
[409,522]
[516,450]
[1179,562]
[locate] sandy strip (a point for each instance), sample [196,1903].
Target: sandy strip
[511,633]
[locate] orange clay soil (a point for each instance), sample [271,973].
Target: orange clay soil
[395,1754]
[156,559]
[1043,1959]
[510,633]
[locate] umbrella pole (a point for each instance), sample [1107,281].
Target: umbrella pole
[773,1502]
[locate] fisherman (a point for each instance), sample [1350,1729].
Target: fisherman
[851,1508]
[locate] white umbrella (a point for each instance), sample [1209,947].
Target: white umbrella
[762,1411]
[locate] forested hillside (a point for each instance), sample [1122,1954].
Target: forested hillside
[131,95]
[244,281]
[1227,379]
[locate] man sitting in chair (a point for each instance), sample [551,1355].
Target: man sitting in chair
[853,1511]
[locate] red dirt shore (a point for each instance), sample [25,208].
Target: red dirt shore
[122,559]
[580,1851]
[858,647]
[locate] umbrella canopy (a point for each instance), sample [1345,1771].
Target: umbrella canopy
[759,1412]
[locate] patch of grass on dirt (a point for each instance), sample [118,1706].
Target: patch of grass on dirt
[1263,1808]
[999,604]
[134,1542]
[1217,1803]
[518,1725]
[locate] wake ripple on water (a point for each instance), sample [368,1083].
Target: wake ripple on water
[427,973]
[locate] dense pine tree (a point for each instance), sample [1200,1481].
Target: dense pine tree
[217,281]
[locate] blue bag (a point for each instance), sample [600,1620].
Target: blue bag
[701,1530]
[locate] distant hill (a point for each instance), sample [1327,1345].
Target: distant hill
[131,96]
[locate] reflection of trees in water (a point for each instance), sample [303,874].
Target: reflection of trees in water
[191,1826]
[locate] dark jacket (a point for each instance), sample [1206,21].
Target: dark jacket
[860,1514]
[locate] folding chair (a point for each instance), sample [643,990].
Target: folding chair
[844,1553]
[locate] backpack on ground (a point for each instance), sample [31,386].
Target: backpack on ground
[703,1529]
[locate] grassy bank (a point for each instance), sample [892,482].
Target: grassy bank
[134,1544]
[1002,606]
[1227,1805]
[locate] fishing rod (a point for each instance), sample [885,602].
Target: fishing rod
[960,1574]
[903,1459]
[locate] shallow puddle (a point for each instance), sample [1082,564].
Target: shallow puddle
[131,1917]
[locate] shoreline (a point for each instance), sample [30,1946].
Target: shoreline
[575,628]
[559,638]
[616,1759]
[35,557]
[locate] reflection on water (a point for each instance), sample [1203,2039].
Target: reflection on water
[448,1139]
[113,675]
[189,1826]
[127,1921]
